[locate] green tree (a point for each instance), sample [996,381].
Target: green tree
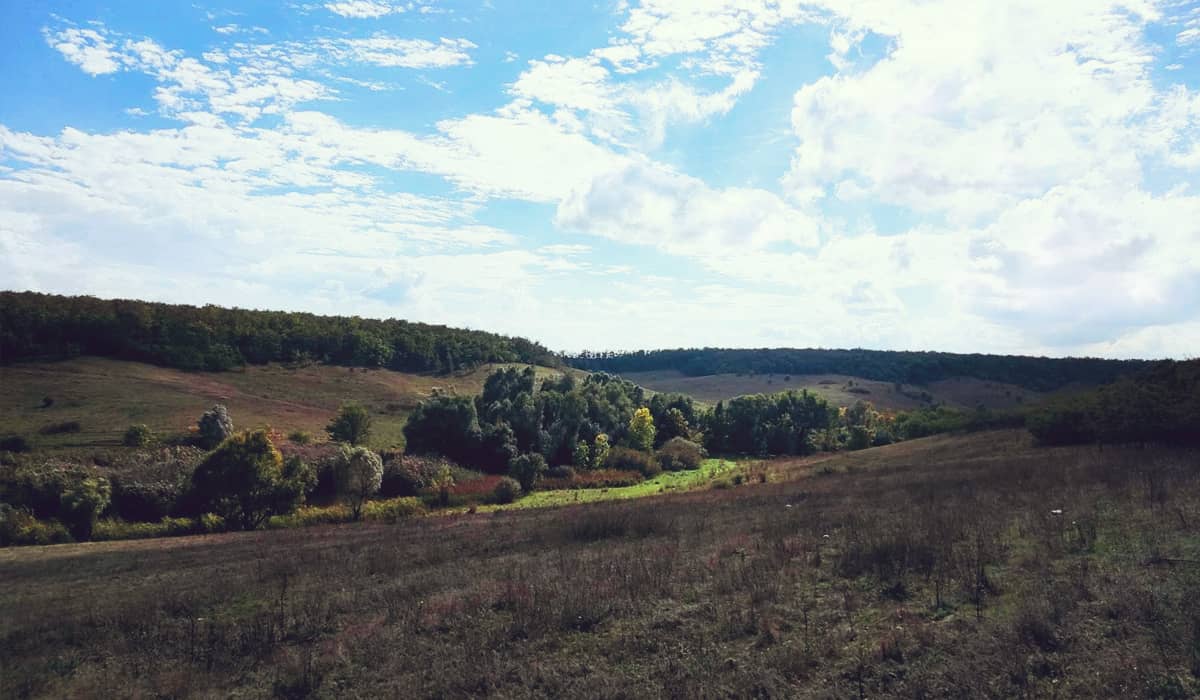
[245,481]
[137,436]
[82,503]
[215,426]
[581,456]
[600,447]
[358,476]
[526,469]
[352,424]
[442,482]
[641,430]
[446,425]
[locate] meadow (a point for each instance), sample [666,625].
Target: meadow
[951,566]
[842,390]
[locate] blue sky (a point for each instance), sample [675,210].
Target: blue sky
[965,175]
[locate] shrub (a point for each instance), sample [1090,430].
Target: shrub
[625,459]
[506,491]
[300,437]
[215,427]
[560,472]
[18,526]
[679,453]
[144,501]
[245,481]
[441,483]
[82,503]
[71,426]
[351,425]
[393,509]
[359,475]
[14,443]
[526,469]
[137,436]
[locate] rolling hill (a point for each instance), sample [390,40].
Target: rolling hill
[105,396]
[842,389]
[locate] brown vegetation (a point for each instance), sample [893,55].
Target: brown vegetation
[975,566]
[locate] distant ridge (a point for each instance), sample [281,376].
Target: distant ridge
[37,326]
[1036,373]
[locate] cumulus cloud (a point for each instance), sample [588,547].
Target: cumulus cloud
[649,205]
[86,48]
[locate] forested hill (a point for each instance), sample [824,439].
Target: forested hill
[1037,373]
[44,326]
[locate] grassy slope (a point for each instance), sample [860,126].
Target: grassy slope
[819,584]
[963,392]
[106,396]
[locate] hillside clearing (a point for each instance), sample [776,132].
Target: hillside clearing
[106,396]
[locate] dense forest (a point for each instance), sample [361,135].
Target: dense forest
[1037,373]
[1158,405]
[44,326]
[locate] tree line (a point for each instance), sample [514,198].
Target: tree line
[44,326]
[1037,373]
[1158,405]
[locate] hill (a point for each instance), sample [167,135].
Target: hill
[918,368]
[105,396]
[46,326]
[963,566]
[843,390]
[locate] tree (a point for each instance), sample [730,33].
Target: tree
[352,424]
[641,430]
[679,453]
[600,449]
[526,469]
[581,456]
[82,504]
[442,482]
[673,425]
[245,481]
[137,436]
[446,425]
[215,427]
[358,476]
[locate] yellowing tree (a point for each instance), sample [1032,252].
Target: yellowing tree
[641,430]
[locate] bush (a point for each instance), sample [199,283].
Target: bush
[137,436]
[82,504]
[18,526]
[71,426]
[393,509]
[526,469]
[352,424]
[359,475]
[245,481]
[506,491]
[560,472]
[215,427]
[300,437]
[14,443]
[625,459]
[407,475]
[678,454]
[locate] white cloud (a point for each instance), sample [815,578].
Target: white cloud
[649,205]
[86,48]
[402,53]
[363,9]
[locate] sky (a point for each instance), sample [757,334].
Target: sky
[960,175]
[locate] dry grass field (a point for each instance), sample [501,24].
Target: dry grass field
[106,396]
[841,390]
[968,566]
